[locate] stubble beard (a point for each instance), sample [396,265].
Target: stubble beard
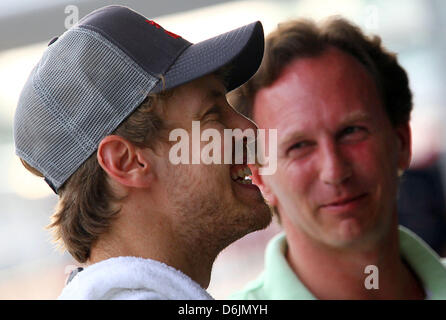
[209,219]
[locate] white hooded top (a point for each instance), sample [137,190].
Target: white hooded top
[132,278]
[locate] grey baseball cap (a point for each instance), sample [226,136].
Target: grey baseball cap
[98,72]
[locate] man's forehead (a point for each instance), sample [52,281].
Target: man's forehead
[303,77]
[332,62]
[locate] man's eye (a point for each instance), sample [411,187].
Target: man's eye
[353,134]
[300,148]
[211,116]
[212,113]
[350,130]
[299,145]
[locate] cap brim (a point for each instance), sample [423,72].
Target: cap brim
[241,48]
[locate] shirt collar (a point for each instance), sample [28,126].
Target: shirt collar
[424,262]
[282,283]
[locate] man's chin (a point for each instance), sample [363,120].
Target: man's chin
[245,220]
[350,230]
[259,215]
[350,235]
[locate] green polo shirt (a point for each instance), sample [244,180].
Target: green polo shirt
[278,281]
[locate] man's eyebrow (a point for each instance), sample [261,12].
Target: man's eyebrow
[215,94]
[356,116]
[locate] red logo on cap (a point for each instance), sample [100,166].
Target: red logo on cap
[173,35]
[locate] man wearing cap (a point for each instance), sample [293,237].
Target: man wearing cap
[341,105]
[94,119]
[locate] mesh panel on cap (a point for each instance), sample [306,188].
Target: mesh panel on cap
[80,91]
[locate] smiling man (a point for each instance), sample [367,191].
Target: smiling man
[94,119]
[341,105]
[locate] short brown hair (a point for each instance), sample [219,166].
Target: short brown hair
[304,38]
[87,205]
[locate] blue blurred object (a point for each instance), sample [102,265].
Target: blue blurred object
[421,204]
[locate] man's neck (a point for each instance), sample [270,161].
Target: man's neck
[140,235]
[191,263]
[340,274]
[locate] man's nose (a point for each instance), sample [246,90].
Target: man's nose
[335,168]
[241,122]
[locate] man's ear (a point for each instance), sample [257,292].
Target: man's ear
[124,162]
[404,137]
[259,181]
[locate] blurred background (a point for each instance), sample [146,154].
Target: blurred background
[30,265]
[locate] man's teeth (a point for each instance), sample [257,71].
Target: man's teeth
[242,175]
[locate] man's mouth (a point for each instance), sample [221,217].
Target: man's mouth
[344,202]
[241,173]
